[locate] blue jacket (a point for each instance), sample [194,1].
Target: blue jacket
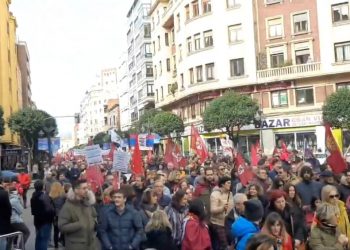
[242,230]
[17,208]
[120,230]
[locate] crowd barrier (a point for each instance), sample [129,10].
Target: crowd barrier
[12,241]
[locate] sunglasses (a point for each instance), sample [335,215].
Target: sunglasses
[334,196]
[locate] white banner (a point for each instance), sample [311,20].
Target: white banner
[93,155]
[121,161]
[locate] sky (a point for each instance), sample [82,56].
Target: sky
[69,43]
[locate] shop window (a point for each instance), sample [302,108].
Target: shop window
[297,141]
[279,98]
[305,96]
[288,139]
[340,12]
[302,56]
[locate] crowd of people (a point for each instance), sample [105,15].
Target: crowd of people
[289,204]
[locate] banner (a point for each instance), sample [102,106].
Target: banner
[245,173]
[137,164]
[44,145]
[335,159]
[198,145]
[173,154]
[121,161]
[93,155]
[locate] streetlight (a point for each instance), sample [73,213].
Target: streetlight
[259,116]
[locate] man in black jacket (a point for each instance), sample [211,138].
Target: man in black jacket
[5,214]
[43,211]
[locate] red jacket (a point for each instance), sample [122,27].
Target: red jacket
[196,235]
[24,180]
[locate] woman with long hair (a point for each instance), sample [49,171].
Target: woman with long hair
[177,211]
[275,228]
[148,205]
[261,241]
[58,196]
[330,195]
[255,191]
[158,232]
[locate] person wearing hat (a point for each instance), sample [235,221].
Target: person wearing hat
[248,225]
[327,178]
[195,235]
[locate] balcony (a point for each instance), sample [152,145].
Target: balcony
[289,72]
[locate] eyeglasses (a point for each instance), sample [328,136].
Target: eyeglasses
[333,196]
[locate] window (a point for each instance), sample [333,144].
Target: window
[187,12]
[178,21]
[147,30]
[232,3]
[209,68]
[149,70]
[154,48]
[206,6]
[340,12]
[202,107]
[168,64]
[155,72]
[160,68]
[166,37]
[343,85]
[150,89]
[272,1]
[158,42]
[182,81]
[191,75]
[300,23]
[157,97]
[199,73]
[148,52]
[193,111]
[275,27]
[195,9]
[162,92]
[189,44]
[302,56]
[342,51]
[208,38]
[237,67]
[197,41]
[180,52]
[277,60]
[235,33]
[305,96]
[279,98]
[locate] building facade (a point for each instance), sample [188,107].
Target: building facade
[10,80]
[123,84]
[202,48]
[139,60]
[92,115]
[24,65]
[112,115]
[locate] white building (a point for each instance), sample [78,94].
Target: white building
[200,48]
[123,84]
[139,60]
[92,119]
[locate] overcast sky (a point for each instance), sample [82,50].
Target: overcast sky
[69,42]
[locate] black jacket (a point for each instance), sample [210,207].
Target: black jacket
[42,208]
[5,212]
[160,240]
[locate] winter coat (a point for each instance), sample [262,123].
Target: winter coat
[307,190]
[203,191]
[323,238]
[164,201]
[120,230]
[77,221]
[42,209]
[24,180]
[17,208]
[344,191]
[5,212]
[242,230]
[58,203]
[196,234]
[160,240]
[146,212]
[218,199]
[343,224]
[176,218]
[294,224]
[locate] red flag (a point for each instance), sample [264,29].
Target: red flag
[173,154]
[137,164]
[245,173]
[284,154]
[254,156]
[198,145]
[94,177]
[335,159]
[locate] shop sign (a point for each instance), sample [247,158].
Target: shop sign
[290,122]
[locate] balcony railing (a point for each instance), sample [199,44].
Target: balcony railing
[289,72]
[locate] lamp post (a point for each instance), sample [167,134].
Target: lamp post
[259,117]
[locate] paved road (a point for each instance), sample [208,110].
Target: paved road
[28,220]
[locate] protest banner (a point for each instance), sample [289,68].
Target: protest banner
[93,155]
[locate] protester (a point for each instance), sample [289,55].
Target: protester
[158,232]
[255,191]
[24,180]
[77,218]
[262,179]
[163,199]
[344,187]
[44,213]
[196,233]
[148,205]
[120,226]
[245,227]
[139,188]
[261,242]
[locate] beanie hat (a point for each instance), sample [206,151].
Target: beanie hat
[254,210]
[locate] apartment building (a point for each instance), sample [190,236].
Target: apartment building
[200,50]
[24,66]
[139,60]
[123,84]
[10,80]
[288,55]
[112,115]
[92,114]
